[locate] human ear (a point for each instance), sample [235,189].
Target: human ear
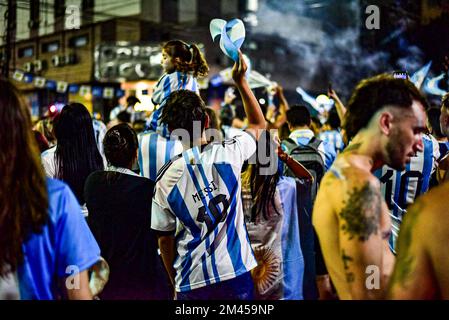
[386,122]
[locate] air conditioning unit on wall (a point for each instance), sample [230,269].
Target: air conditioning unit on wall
[28,67]
[39,65]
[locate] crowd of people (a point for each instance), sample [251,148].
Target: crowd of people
[188,203]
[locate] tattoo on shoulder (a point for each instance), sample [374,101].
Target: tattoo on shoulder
[405,259]
[361,212]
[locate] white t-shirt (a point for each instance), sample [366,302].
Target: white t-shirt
[49,163]
[199,198]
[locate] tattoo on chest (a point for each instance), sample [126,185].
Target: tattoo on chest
[361,213]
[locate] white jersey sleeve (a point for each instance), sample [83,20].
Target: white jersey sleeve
[436,152]
[49,162]
[245,143]
[162,216]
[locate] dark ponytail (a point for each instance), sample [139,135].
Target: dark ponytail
[186,58]
[199,64]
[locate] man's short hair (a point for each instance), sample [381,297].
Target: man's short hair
[132,100]
[433,115]
[182,108]
[227,115]
[298,116]
[373,94]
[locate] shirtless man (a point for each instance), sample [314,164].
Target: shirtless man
[421,270]
[384,122]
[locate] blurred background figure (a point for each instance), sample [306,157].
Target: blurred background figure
[42,232]
[119,204]
[76,154]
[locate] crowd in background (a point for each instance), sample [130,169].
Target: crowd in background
[132,210]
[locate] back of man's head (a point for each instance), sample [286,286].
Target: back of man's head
[227,115]
[298,116]
[373,94]
[433,116]
[132,100]
[182,109]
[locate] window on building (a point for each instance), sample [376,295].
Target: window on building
[78,41]
[50,46]
[26,52]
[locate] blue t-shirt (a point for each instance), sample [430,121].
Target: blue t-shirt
[65,247]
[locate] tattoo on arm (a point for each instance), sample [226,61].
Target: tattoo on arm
[346,259]
[361,212]
[405,259]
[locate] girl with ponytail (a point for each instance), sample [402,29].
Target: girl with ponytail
[183,63]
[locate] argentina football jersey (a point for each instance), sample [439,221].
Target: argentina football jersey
[166,85]
[154,152]
[197,196]
[100,131]
[334,139]
[401,188]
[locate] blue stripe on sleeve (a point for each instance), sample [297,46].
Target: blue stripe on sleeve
[152,149]
[427,166]
[234,244]
[175,199]
[210,195]
[140,157]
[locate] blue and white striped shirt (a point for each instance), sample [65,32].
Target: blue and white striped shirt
[167,84]
[401,188]
[334,139]
[154,152]
[198,198]
[100,131]
[303,137]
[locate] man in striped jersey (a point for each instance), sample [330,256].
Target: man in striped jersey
[197,202]
[401,188]
[155,151]
[333,136]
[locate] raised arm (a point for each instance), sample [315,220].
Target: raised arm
[360,238]
[283,107]
[256,119]
[298,169]
[341,109]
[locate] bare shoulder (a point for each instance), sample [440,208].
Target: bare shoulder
[432,209]
[342,183]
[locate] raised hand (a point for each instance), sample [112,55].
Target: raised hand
[239,69]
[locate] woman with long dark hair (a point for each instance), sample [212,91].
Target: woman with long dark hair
[271,215]
[42,233]
[119,203]
[76,154]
